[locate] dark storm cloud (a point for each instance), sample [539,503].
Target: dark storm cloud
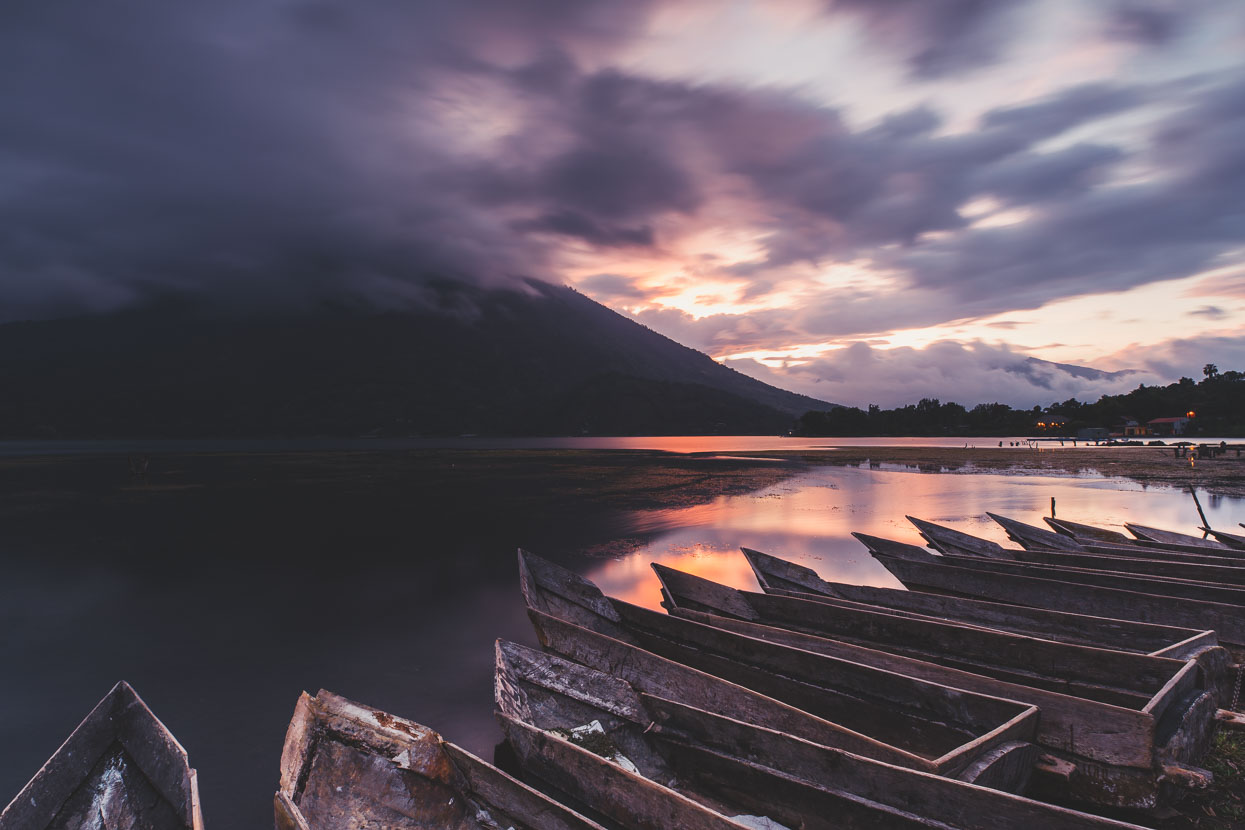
[936,37]
[570,223]
[1147,22]
[282,149]
[297,149]
[611,287]
[1189,211]
[892,183]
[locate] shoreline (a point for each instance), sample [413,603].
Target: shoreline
[1223,476]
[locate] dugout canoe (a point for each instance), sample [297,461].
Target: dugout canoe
[1101,709]
[1090,534]
[920,570]
[1232,540]
[951,541]
[1030,537]
[1078,531]
[347,766]
[785,578]
[839,703]
[121,768]
[1040,539]
[1158,534]
[649,762]
[1196,589]
[1178,566]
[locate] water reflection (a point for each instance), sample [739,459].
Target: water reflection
[809,519]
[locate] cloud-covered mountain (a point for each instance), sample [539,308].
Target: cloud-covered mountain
[537,359]
[775,176]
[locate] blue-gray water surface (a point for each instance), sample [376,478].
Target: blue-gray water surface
[220,636]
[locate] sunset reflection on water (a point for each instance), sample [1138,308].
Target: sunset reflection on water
[809,519]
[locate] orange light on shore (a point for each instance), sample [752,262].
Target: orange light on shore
[1190,414]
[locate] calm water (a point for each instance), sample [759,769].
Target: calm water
[221,642]
[668,443]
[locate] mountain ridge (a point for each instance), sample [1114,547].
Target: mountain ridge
[536,359]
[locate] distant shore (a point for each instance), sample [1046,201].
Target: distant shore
[589,483]
[1224,475]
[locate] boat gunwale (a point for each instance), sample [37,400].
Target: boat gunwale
[114,719]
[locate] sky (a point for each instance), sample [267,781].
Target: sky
[867,201]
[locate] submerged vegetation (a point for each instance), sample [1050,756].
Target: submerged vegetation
[1217,404]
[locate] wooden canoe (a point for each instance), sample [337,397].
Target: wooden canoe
[1079,531]
[1157,534]
[709,764]
[859,708]
[120,768]
[1036,538]
[1028,538]
[923,571]
[952,541]
[1101,709]
[1232,540]
[346,766]
[1089,534]
[958,543]
[1179,566]
[1169,586]
[781,577]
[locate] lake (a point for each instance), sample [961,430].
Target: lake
[221,614]
[665,443]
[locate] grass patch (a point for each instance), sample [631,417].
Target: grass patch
[1222,806]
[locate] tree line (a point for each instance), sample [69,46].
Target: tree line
[1217,401]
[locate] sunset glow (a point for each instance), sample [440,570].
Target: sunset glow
[839,198]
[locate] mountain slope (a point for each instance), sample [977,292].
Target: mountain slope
[542,360]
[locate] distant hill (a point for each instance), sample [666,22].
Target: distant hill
[1036,368]
[542,360]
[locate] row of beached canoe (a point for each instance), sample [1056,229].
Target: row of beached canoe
[809,704]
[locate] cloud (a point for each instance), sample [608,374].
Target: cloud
[1147,22]
[613,287]
[973,373]
[570,223]
[936,37]
[1185,356]
[1211,312]
[281,150]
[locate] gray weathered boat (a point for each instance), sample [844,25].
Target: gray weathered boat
[1101,709]
[121,768]
[923,571]
[346,766]
[1090,534]
[1178,566]
[1086,532]
[779,576]
[650,762]
[1232,540]
[865,710]
[1033,538]
[1158,534]
[954,547]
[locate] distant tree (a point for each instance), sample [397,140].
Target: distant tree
[1210,370]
